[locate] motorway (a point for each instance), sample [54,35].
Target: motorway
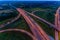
[35,28]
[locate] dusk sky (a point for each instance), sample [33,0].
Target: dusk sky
[29,0]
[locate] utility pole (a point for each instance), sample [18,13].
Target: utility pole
[57,24]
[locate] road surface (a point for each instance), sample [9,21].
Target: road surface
[35,28]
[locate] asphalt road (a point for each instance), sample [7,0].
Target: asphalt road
[35,28]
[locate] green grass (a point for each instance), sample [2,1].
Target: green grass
[1,22]
[13,35]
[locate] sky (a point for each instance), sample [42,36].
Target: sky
[29,0]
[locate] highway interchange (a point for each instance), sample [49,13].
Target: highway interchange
[38,32]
